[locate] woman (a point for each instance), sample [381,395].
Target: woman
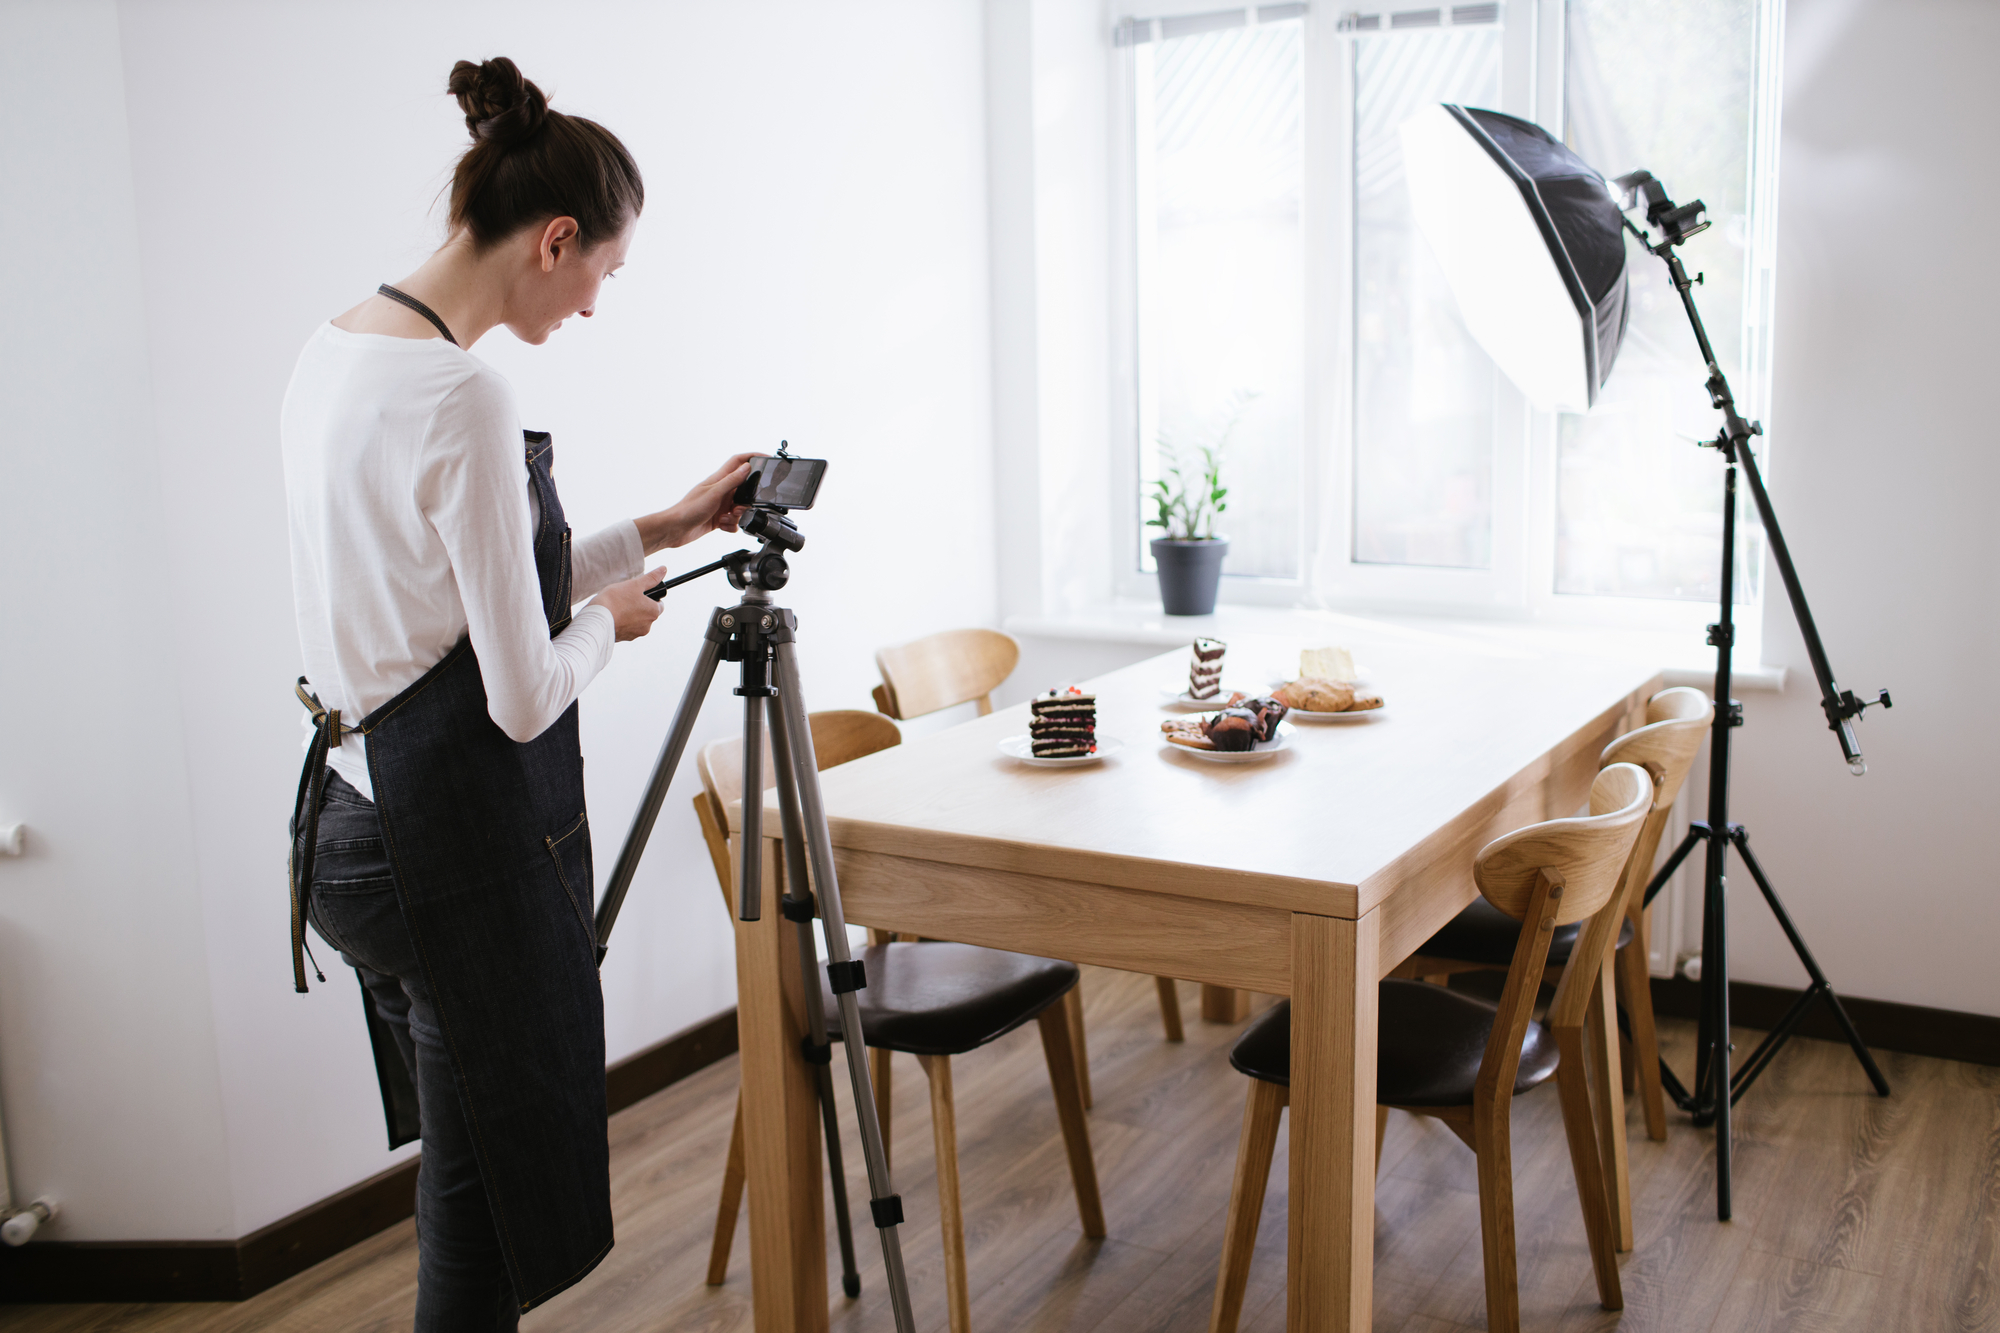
[440,841]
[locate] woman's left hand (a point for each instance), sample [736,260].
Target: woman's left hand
[710,507]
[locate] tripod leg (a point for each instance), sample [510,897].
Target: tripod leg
[656,787]
[843,1221]
[884,1203]
[1820,983]
[798,909]
[749,877]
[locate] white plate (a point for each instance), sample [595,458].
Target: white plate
[1020,747]
[1351,715]
[1181,699]
[1263,750]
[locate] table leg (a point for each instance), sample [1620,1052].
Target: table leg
[780,1123]
[1330,1267]
[1222,1004]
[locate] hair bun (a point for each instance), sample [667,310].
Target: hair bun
[501,106]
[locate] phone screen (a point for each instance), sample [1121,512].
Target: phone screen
[791,483]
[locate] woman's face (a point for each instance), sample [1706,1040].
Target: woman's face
[561,278]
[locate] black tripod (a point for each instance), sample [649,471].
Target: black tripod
[759,636]
[1707,1102]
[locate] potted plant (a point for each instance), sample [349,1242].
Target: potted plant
[1187,501]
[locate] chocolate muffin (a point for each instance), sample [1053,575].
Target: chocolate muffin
[1232,729]
[1270,711]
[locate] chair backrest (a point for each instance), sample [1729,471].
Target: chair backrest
[839,734]
[1581,855]
[944,669]
[1549,875]
[1676,722]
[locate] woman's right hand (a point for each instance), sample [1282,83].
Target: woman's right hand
[629,606]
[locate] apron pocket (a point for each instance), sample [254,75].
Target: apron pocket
[570,851]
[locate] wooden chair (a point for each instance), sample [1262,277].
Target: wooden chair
[932,1000]
[1548,876]
[965,666]
[1483,938]
[940,670]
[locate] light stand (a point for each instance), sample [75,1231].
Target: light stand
[759,636]
[1707,1102]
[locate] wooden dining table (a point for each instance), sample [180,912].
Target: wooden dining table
[1310,874]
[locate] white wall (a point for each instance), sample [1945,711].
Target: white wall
[1884,473]
[108,1059]
[812,265]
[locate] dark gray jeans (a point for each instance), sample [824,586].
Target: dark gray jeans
[462,1284]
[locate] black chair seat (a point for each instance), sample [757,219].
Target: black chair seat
[1482,933]
[936,998]
[1428,1050]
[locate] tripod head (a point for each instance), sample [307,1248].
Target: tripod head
[754,572]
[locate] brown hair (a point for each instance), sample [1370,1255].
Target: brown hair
[528,164]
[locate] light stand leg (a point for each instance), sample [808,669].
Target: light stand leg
[884,1203]
[1820,985]
[798,908]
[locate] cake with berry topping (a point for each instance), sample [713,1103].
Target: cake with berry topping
[1062,724]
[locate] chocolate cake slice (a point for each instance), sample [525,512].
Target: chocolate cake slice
[1205,670]
[1062,724]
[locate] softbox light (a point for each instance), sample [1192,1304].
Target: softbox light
[1529,239]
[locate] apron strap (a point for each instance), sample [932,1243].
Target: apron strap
[404,298]
[327,731]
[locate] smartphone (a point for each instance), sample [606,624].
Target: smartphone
[788,483]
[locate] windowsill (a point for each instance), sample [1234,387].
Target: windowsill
[1683,657]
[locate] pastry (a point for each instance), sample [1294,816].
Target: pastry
[1186,731]
[1205,670]
[1317,695]
[1233,729]
[1270,711]
[1062,724]
[1335,664]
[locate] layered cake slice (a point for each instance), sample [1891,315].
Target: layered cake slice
[1205,670]
[1062,724]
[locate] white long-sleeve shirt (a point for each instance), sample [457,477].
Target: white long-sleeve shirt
[411,524]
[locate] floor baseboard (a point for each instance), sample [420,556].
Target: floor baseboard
[56,1271]
[1947,1034]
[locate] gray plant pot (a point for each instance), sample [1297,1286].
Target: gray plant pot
[1189,573]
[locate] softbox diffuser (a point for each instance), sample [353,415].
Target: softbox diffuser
[1529,239]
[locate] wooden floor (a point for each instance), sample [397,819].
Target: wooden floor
[1852,1212]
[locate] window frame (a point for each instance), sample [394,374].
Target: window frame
[1520,582]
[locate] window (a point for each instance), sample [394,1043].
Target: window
[1639,509]
[1282,300]
[1221,271]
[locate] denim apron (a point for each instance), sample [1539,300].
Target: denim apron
[490,848]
